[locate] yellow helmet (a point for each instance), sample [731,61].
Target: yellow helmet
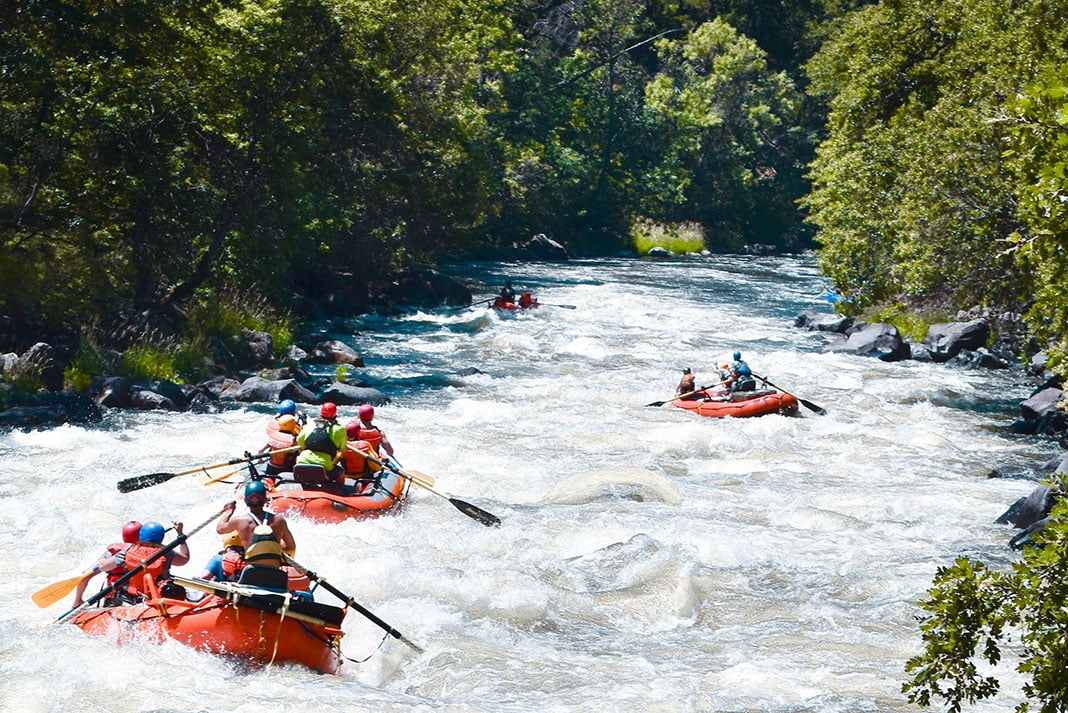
[231,539]
[288,423]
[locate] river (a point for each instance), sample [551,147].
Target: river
[648,560]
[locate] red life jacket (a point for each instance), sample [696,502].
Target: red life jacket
[133,556]
[113,549]
[233,561]
[373,437]
[355,463]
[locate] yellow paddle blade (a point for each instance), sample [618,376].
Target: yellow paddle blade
[47,596]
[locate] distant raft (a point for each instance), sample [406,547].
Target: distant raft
[524,302]
[253,625]
[716,403]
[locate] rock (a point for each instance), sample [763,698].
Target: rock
[823,321]
[658,251]
[258,390]
[348,395]
[426,288]
[333,351]
[1029,509]
[978,359]
[147,400]
[256,348]
[946,340]
[1041,403]
[878,340]
[542,247]
[110,391]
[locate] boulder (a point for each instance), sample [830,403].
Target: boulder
[333,351]
[946,340]
[110,391]
[147,400]
[426,288]
[256,348]
[658,251]
[348,395]
[542,247]
[1042,403]
[259,390]
[823,321]
[1030,509]
[876,339]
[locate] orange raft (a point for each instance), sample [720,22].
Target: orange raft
[369,497]
[254,625]
[717,404]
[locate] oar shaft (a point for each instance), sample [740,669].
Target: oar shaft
[354,604]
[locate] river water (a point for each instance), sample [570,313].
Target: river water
[649,559]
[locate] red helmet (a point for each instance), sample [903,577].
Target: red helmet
[131,531]
[328,410]
[352,428]
[367,412]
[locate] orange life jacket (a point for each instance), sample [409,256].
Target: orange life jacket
[373,437]
[113,549]
[233,561]
[154,571]
[355,463]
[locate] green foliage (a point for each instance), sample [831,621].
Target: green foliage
[911,193]
[676,237]
[224,313]
[1039,133]
[148,361]
[972,613]
[910,321]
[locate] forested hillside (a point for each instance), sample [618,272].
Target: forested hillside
[159,157]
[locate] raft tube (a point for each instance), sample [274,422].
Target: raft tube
[365,499]
[718,404]
[252,625]
[503,304]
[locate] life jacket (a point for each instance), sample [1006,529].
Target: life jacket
[372,436]
[278,439]
[355,463]
[154,571]
[233,561]
[116,572]
[319,440]
[264,553]
[525,300]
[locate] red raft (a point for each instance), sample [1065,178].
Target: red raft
[250,624]
[370,497]
[718,404]
[524,302]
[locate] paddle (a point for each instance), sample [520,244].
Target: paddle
[147,561]
[49,595]
[138,482]
[352,603]
[547,304]
[807,404]
[476,513]
[689,393]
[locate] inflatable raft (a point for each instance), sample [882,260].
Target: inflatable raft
[253,625]
[367,498]
[718,404]
[503,304]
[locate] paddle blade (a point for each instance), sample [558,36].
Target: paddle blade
[813,407]
[143,481]
[487,519]
[47,596]
[657,403]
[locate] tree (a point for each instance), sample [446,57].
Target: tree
[972,612]
[734,156]
[911,194]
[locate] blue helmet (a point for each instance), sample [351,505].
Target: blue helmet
[255,493]
[151,532]
[737,356]
[287,406]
